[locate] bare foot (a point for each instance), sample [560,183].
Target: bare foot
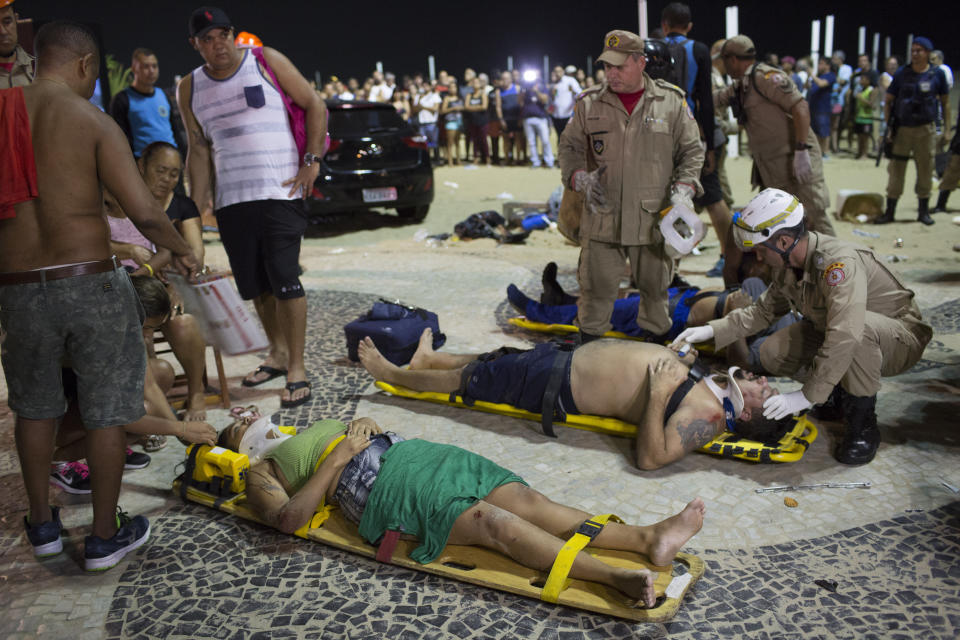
[671,534]
[638,583]
[373,361]
[421,358]
[196,409]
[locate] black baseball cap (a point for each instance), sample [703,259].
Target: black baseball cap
[206,18]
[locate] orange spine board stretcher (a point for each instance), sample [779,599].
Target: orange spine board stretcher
[563,329]
[487,568]
[789,448]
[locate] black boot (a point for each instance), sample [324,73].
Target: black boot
[862,436]
[941,202]
[588,337]
[832,409]
[923,211]
[553,293]
[887,217]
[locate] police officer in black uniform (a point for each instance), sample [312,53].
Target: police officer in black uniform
[913,97]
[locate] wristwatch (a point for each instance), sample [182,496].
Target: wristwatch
[310,158]
[802,146]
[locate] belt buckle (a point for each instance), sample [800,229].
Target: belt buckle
[590,529]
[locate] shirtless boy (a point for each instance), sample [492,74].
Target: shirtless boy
[63,299]
[628,380]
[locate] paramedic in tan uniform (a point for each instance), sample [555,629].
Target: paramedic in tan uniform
[785,152]
[859,322]
[631,148]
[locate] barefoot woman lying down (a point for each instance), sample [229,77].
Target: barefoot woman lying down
[437,494]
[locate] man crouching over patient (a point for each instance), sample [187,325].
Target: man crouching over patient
[438,494]
[676,408]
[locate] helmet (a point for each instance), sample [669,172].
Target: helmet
[768,212]
[246,39]
[659,60]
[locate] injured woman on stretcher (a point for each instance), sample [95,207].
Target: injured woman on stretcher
[676,405]
[436,494]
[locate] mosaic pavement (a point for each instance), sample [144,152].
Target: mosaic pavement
[887,560]
[893,579]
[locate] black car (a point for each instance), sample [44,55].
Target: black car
[375,159]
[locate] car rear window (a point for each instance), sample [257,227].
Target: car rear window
[357,122]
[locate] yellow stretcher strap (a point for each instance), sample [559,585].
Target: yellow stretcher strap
[557,580]
[323,510]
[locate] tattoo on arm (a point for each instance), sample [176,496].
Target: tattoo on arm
[696,434]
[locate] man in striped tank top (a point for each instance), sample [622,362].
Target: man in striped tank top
[244,160]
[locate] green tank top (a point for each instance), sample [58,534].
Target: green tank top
[297,456]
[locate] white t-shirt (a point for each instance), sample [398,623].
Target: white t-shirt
[565,96]
[431,99]
[346,95]
[844,72]
[381,92]
[947,71]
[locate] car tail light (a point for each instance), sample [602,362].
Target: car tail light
[416,142]
[334,145]
[429,184]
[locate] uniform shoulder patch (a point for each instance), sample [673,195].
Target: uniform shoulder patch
[834,274]
[779,79]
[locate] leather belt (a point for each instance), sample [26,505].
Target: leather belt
[58,273]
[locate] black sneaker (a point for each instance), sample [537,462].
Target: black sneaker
[136,460]
[100,554]
[45,537]
[72,477]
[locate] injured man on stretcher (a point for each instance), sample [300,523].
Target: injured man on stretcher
[689,307]
[675,407]
[436,494]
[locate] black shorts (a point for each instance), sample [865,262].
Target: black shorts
[517,377]
[712,191]
[262,241]
[865,128]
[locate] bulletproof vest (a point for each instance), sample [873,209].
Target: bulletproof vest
[917,101]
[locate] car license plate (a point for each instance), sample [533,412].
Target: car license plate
[380,195]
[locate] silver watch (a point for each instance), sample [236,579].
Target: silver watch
[310,158]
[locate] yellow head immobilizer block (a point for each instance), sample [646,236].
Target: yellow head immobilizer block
[216,464]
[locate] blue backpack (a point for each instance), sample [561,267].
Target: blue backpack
[395,329]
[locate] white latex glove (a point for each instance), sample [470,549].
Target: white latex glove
[589,185]
[682,194]
[691,336]
[784,404]
[801,166]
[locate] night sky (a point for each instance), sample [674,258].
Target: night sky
[348,37]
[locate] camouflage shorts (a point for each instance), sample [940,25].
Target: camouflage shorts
[91,323]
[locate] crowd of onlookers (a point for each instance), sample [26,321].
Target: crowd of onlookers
[846,103]
[503,120]
[494,119]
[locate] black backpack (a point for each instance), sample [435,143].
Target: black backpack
[667,60]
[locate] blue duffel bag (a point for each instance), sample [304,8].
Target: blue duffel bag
[395,329]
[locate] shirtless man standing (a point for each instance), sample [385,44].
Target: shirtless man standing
[64,299]
[632,381]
